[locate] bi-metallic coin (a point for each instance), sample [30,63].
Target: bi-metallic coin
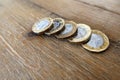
[98,42]
[58,25]
[83,34]
[42,25]
[70,30]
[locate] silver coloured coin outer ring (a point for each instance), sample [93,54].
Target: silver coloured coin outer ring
[103,47]
[86,37]
[68,34]
[59,29]
[45,29]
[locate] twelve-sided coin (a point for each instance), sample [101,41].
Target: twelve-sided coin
[42,25]
[98,42]
[58,25]
[83,34]
[70,30]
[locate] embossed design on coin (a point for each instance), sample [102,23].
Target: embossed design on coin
[42,25]
[98,42]
[70,30]
[58,25]
[83,33]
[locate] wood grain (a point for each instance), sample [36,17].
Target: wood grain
[25,56]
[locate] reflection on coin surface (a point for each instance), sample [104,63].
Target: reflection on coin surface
[98,42]
[42,25]
[58,25]
[70,30]
[83,33]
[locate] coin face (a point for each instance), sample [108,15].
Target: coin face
[83,33]
[42,25]
[58,25]
[98,42]
[70,30]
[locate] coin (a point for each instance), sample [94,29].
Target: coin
[98,42]
[70,30]
[58,25]
[42,25]
[83,33]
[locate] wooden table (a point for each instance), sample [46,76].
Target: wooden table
[24,56]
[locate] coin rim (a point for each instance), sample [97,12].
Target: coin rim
[74,30]
[87,36]
[100,49]
[57,30]
[45,29]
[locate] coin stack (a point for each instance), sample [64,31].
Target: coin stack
[91,40]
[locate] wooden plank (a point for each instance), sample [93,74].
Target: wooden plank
[11,67]
[108,5]
[29,57]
